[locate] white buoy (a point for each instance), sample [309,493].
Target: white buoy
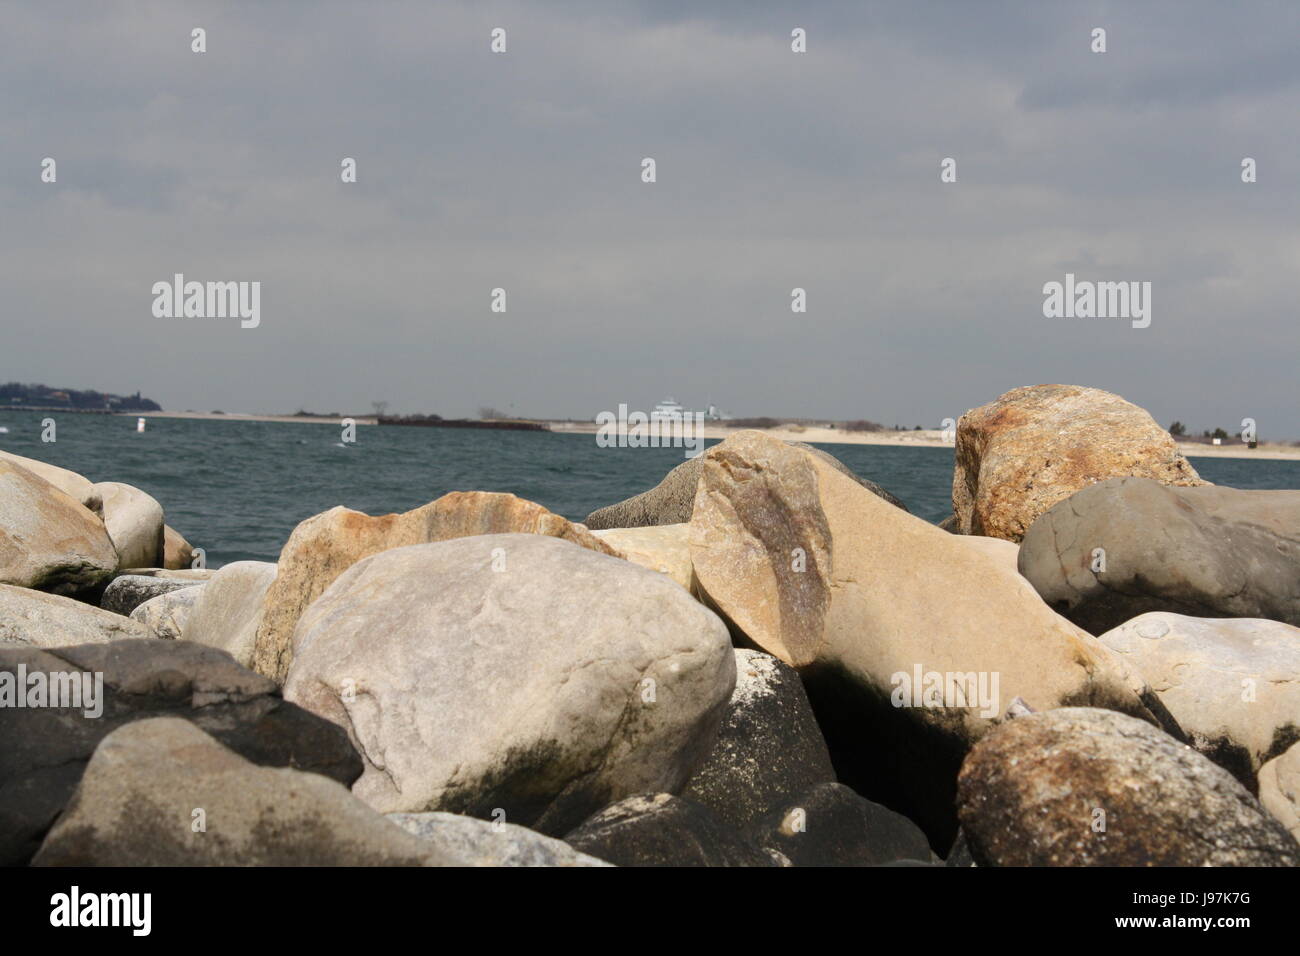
[139,424]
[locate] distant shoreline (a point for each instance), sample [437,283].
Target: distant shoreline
[930,438]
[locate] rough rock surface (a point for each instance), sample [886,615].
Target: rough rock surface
[769,748]
[134,521]
[161,792]
[69,482]
[1233,684]
[663,548]
[860,596]
[483,843]
[673,499]
[830,825]
[177,552]
[126,592]
[1086,787]
[46,620]
[658,829]
[228,611]
[46,748]
[48,539]
[1205,552]
[1279,789]
[518,672]
[166,614]
[1037,445]
[323,547]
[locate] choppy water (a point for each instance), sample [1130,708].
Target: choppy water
[238,488]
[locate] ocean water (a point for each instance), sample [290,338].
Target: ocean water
[238,488]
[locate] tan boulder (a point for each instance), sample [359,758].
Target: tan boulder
[228,611]
[1279,788]
[134,521]
[48,539]
[664,548]
[867,600]
[48,620]
[69,482]
[323,547]
[1037,445]
[177,552]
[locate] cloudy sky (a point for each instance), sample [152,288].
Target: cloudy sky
[775,170]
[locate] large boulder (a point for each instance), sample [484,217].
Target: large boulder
[162,792]
[167,614]
[1086,787]
[127,592]
[1279,789]
[484,843]
[769,748]
[664,548]
[323,547]
[911,643]
[37,619]
[673,499]
[513,672]
[830,825]
[1130,545]
[659,829]
[48,539]
[1037,445]
[46,748]
[1233,684]
[177,552]
[69,482]
[135,523]
[228,611]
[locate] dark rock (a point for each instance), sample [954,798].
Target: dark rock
[128,591]
[1086,787]
[1205,551]
[769,748]
[658,829]
[673,499]
[830,825]
[45,749]
[951,524]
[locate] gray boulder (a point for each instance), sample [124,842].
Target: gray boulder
[1086,787]
[127,592]
[1205,551]
[228,612]
[830,825]
[514,672]
[167,614]
[162,792]
[672,501]
[769,748]
[659,829]
[46,748]
[484,843]
[37,619]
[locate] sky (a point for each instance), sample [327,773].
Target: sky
[775,170]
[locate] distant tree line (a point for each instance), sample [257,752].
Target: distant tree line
[43,396]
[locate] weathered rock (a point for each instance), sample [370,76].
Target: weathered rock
[135,524]
[768,750]
[1233,685]
[483,843]
[830,825]
[1086,787]
[1279,789]
[323,547]
[519,672]
[950,524]
[663,548]
[37,619]
[658,829]
[673,499]
[1005,553]
[177,552]
[48,539]
[1205,552]
[227,614]
[46,748]
[69,482]
[882,597]
[1035,446]
[126,592]
[151,783]
[198,575]
[166,614]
